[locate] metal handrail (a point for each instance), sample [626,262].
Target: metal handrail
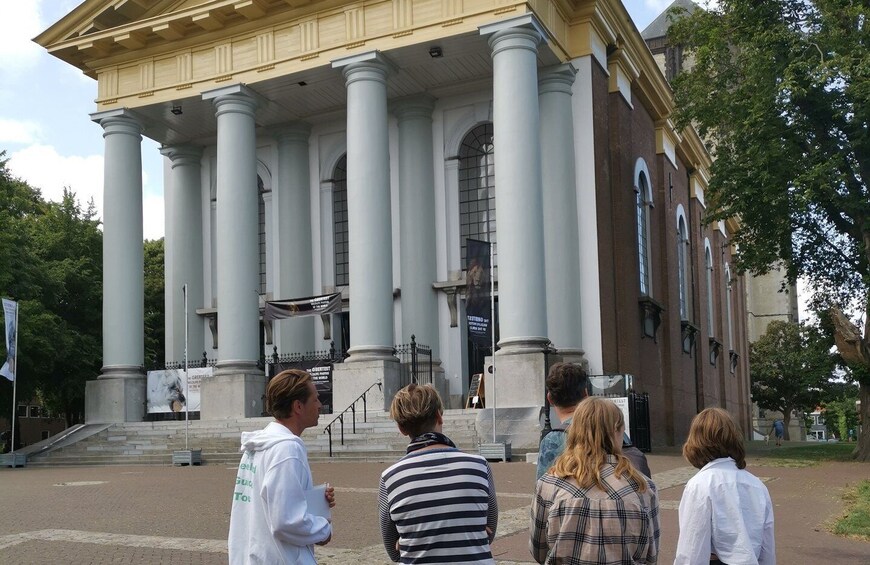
[328,429]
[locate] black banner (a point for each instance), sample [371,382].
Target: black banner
[309,306]
[478,305]
[320,373]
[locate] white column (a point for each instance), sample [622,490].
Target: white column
[237,248]
[417,221]
[519,209]
[123,278]
[184,263]
[368,203]
[294,257]
[561,239]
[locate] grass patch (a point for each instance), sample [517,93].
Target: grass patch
[856,521]
[798,454]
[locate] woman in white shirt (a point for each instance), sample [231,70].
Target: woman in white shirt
[725,514]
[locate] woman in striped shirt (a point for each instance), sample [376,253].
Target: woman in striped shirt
[436,504]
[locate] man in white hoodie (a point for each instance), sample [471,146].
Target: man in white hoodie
[270,522]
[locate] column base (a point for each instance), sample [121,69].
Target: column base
[359,353]
[117,395]
[521,345]
[518,380]
[350,380]
[236,390]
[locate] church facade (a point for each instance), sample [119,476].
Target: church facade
[332,146]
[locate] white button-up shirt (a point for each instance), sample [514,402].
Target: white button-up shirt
[726,511]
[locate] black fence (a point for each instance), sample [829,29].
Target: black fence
[415,363]
[638,412]
[318,364]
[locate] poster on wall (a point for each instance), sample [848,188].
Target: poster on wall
[478,297]
[622,403]
[168,392]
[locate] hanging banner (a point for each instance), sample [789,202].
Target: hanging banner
[166,389]
[478,306]
[10,315]
[310,306]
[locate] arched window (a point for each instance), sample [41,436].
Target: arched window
[708,269]
[477,188]
[683,264]
[643,196]
[339,222]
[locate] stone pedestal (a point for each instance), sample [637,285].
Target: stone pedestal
[349,380]
[229,395]
[518,427]
[518,381]
[110,400]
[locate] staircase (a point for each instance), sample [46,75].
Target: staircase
[152,443]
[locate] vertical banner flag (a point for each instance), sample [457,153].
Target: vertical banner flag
[478,307]
[10,315]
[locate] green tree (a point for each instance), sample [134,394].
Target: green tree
[155,329]
[789,366]
[782,90]
[52,265]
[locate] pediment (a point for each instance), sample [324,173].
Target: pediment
[99,30]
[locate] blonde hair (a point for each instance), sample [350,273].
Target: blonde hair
[284,389]
[415,408]
[590,439]
[713,435]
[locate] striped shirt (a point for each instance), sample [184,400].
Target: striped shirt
[576,526]
[437,504]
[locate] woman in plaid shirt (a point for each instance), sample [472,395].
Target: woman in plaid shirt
[592,506]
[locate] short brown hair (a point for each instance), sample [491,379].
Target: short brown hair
[712,435]
[285,388]
[566,383]
[415,408]
[588,443]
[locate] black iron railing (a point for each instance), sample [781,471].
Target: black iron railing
[415,363]
[340,418]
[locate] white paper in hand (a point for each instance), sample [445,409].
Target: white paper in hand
[316,500]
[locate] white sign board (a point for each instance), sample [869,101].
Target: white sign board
[622,403]
[169,392]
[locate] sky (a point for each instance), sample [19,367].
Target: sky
[45,104]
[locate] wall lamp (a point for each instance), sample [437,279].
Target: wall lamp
[177,110]
[435,52]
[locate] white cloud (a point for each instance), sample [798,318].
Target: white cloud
[19,131]
[19,23]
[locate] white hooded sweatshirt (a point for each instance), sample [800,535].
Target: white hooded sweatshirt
[269,522]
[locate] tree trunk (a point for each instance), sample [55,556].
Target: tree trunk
[862,450]
[786,422]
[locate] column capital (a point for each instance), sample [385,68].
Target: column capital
[121,120]
[559,78]
[522,32]
[294,132]
[417,106]
[180,155]
[236,98]
[371,65]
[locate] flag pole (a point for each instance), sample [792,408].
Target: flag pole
[186,377]
[14,385]
[492,332]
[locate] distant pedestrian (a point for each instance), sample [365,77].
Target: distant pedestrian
[270,522]
[726,515]
[592,505]
[436,504]
[778,430]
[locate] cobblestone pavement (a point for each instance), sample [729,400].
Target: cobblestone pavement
[107,515]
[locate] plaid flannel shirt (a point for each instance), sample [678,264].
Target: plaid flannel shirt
[574,526]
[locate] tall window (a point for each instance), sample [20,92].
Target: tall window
[682,265]
[339,222]
[728,286]
[477,188]
[708,269]
[261,232]
[644,201]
